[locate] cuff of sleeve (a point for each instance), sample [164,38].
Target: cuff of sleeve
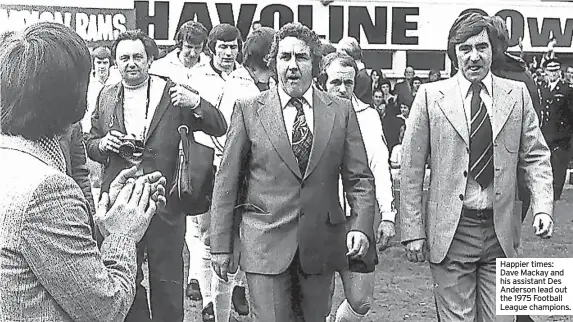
[389,216]
[405,241]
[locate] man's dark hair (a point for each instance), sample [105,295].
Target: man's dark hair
[102,52]
[302,32]
[149,44]
[384,81]
[192,32]
[44,74]
[257,47]
[224,32]
[465,27]
[435,72]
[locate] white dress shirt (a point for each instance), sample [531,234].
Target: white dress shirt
[476,197]
[377,155]
[289,111]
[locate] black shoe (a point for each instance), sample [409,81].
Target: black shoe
[239,300]
[194,291]
[208,313]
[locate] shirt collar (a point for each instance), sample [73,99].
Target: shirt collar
[220,72]
[285,98]
[465,84]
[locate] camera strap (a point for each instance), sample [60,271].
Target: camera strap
[145,124]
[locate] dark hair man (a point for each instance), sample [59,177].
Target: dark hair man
[146,112]
[292,169]
[224,43]
[251,79]
[190,41]
[479,149]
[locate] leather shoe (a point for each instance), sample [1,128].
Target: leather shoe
[239,300]
[208,313]
[193,290]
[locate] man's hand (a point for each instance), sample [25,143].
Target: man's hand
[131,213]
[111,141]
[357,244]
[221,263]
[182,97]
[386,230]
[155,179]
[415,250]
[543,225]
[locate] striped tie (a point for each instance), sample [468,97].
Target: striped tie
[481,141]
[301,136]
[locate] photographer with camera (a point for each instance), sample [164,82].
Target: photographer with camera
[135,123]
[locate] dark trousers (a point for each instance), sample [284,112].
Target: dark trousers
[559,161]
[289,296]
[164,241]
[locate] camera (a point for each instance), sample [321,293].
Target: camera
[131,149]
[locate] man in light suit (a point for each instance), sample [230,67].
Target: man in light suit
[287,147]
[480,129]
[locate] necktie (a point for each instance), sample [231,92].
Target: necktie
[301,136]
[481,141]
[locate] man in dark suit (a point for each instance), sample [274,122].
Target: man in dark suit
[290,145]
[404,90]
[557,122]
[148,110]
[72,144]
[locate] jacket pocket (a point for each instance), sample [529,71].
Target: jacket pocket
[249,207]
[511,146]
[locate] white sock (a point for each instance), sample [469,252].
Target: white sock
[194,245]
[222,292]
[345,313]
[205,274]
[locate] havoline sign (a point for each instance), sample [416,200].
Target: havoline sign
[388,25]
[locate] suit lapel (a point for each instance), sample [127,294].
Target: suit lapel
[453,107]
[158,87]
[323,123]
[503,104]
[116,98]
[271,117]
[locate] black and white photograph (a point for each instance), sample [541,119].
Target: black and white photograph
[286,161]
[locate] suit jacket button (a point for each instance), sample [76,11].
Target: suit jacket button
[461,197]
[150,150]
[465,174]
